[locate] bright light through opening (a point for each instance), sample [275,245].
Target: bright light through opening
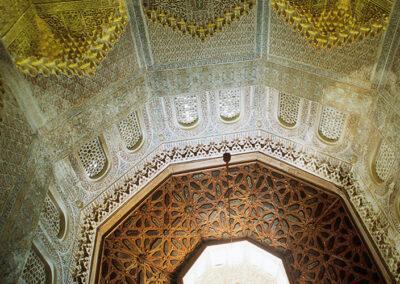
[236,263]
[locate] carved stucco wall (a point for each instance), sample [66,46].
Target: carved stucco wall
[161,130]
[235,43]
[22,178]
[352,62]
[162,134]
[71,112]
[62,96]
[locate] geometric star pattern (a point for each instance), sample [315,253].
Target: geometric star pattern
[309,227]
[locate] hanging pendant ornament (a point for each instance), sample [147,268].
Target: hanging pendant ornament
[200,30]
[327,24]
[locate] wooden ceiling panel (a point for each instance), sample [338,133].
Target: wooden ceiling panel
[309,227]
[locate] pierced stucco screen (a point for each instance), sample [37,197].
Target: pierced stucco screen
[236,263]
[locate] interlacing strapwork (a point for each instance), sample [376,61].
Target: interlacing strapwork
[385,161]
[331,124]
[51,217]
[288,110]
[93,158]
[186,110]
[229,104]
[35,270]
[310,227]
[130,131]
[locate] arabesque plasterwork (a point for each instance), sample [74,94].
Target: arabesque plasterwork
[54,117]
[246,140]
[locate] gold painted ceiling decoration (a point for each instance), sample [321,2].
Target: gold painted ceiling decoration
[197,28]
[62,37]
[326,24]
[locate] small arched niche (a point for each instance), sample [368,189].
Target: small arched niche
[186,110]
[93,158]
[288,110]
[384,162]
[229,105]
[233,262]
[53,217]
[131,131]
[331,124]
[36,270]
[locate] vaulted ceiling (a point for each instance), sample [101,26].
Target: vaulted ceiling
[185,81]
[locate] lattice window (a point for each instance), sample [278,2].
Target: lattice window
[331,124]
[52,217]
[93,158]
[229,104]
[385,161]
[35,271]
[130,131]
[288,110]
[186,110]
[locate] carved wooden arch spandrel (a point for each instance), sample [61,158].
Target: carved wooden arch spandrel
[309,226]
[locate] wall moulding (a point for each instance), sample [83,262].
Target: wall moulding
[337,172]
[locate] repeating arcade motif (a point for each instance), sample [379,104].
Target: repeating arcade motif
[288,110]
[332,124]
[35,270]
[385,161]
[93,158]
[229,104]
[186,110]
[52,216]
[308,226]
[131,131]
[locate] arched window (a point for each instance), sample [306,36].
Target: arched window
[53,217]
[229,104]
[93,158]
[131,132]
[186,110]
[385,162]
[288,109]
[36,269]
[331,124]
